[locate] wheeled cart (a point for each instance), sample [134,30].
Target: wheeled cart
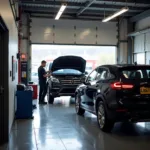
[24,105]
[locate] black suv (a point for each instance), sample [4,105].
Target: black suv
[116,93]
[67,73]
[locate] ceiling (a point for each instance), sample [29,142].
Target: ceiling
[83,9]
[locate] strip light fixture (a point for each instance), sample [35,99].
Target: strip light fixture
[116,14]
[61,10]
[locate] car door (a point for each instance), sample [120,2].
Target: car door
[89,90]
[103,82]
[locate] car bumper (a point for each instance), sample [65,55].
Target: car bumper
[133,116]
[63,91]
[133,113]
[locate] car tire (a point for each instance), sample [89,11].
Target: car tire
[104,123]
[50,98]
[78,108]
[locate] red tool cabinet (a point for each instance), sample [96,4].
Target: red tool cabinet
[35,91]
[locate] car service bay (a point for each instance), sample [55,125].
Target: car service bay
[97,75]
[101,55]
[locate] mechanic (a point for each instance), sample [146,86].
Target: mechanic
[42,75]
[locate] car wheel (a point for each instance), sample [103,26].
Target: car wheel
[79,110]
[50,98]
[104,123]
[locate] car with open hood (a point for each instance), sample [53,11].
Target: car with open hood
[67,73]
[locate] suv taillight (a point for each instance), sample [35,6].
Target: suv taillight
[120,85]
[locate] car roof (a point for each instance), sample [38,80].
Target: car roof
[124,65]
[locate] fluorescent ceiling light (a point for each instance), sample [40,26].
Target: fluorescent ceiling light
[61,10]
[118,13]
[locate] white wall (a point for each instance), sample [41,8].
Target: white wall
[73,32]
[143,24]
[6,13]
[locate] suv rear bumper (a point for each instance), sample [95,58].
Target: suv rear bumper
[131,104]
[133,112]
[133,116]
[129,114]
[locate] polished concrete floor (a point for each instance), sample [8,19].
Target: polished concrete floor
[58,127]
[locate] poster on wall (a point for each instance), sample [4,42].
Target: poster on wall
[24,72]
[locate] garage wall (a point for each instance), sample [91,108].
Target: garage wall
[142,41]
[142,24]
[139,44]
[73,32]
[6,13]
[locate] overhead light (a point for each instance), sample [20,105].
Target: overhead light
[61,10]
[116,14]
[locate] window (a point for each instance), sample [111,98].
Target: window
[99,72]
[102,74]
[92,76]
[148,73]
[67,71]
[136,73]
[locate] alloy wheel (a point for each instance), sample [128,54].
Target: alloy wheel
[77,104]
[101,116]
[48,94]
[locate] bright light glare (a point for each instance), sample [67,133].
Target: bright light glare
[123,10]
[62,8]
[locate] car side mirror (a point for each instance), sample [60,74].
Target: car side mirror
[86,81]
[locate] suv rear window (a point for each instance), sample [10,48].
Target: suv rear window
[135,72]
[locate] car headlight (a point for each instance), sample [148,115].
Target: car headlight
[55,80]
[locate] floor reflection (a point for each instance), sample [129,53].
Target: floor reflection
[57,127]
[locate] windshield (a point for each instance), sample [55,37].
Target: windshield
[136,73]
[67,71]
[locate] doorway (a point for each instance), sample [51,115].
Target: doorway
[4,88]
[94,55]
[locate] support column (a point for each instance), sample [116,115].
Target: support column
[125,43]
[130,42]
[122,41]
[25,42]
[29,48]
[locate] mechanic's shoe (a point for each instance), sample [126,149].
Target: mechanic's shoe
[43,103]
[51,103]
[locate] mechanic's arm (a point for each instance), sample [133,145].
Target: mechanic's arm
[47,74]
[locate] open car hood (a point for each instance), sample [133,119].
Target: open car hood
[69,62]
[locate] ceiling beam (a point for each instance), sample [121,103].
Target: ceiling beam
[120,3]
[67,17]
[140,16]
[132,3]
[73,13]
[107,8]
[87,5]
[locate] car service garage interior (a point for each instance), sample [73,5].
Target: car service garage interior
[94,60]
